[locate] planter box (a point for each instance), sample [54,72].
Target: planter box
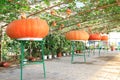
[68,54]
[45,57]
[50,56]
[55,56]
[64,54]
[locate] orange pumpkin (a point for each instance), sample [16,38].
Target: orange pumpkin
[68,11]
[27,28]
[53,12]
[77,35]
[95,36]
[104,38]
[78,25]
[62,25]
[4,64]
[53,23]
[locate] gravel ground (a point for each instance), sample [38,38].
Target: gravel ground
[104,67]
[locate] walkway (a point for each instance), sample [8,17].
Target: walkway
[105,67]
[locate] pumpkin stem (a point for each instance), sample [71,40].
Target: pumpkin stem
[23,16]
[89,30]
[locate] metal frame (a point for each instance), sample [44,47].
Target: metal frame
[73,54]
[94,41]
[22,57]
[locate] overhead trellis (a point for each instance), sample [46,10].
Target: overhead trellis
[92,20]
[82,18]
[90,11]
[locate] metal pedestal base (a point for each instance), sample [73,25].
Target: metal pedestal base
[22,58]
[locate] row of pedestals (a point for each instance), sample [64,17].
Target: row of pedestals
[41,43]
[86,48]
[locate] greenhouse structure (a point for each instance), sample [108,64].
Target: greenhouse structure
[59,39]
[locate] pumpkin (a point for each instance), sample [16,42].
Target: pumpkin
[104,38]
[53,23]
[68,11]
[77,35]
[78,25]
[4,64]
[31,59]
[62,25]
[95,36]
[27,28]
[53,12]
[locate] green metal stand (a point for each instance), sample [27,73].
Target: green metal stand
[73,54]
[93,51]
[22,58]
[105,44]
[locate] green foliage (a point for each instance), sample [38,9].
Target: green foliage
[9,47]
[79,45]
[47,2]
[55,42]
[11,9]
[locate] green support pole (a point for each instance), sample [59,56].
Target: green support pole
[99,51]
[89,49]
[99,48]
[72,52]
[84,51]
[21,60]
[43,59]
[94,48]
[73,55]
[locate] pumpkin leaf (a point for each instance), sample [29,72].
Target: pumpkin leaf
[47,2]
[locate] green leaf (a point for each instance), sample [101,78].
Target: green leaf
[47,2]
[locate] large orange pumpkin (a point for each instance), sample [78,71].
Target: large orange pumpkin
[27,28]
[95,36]
[104,38]
[77,35]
